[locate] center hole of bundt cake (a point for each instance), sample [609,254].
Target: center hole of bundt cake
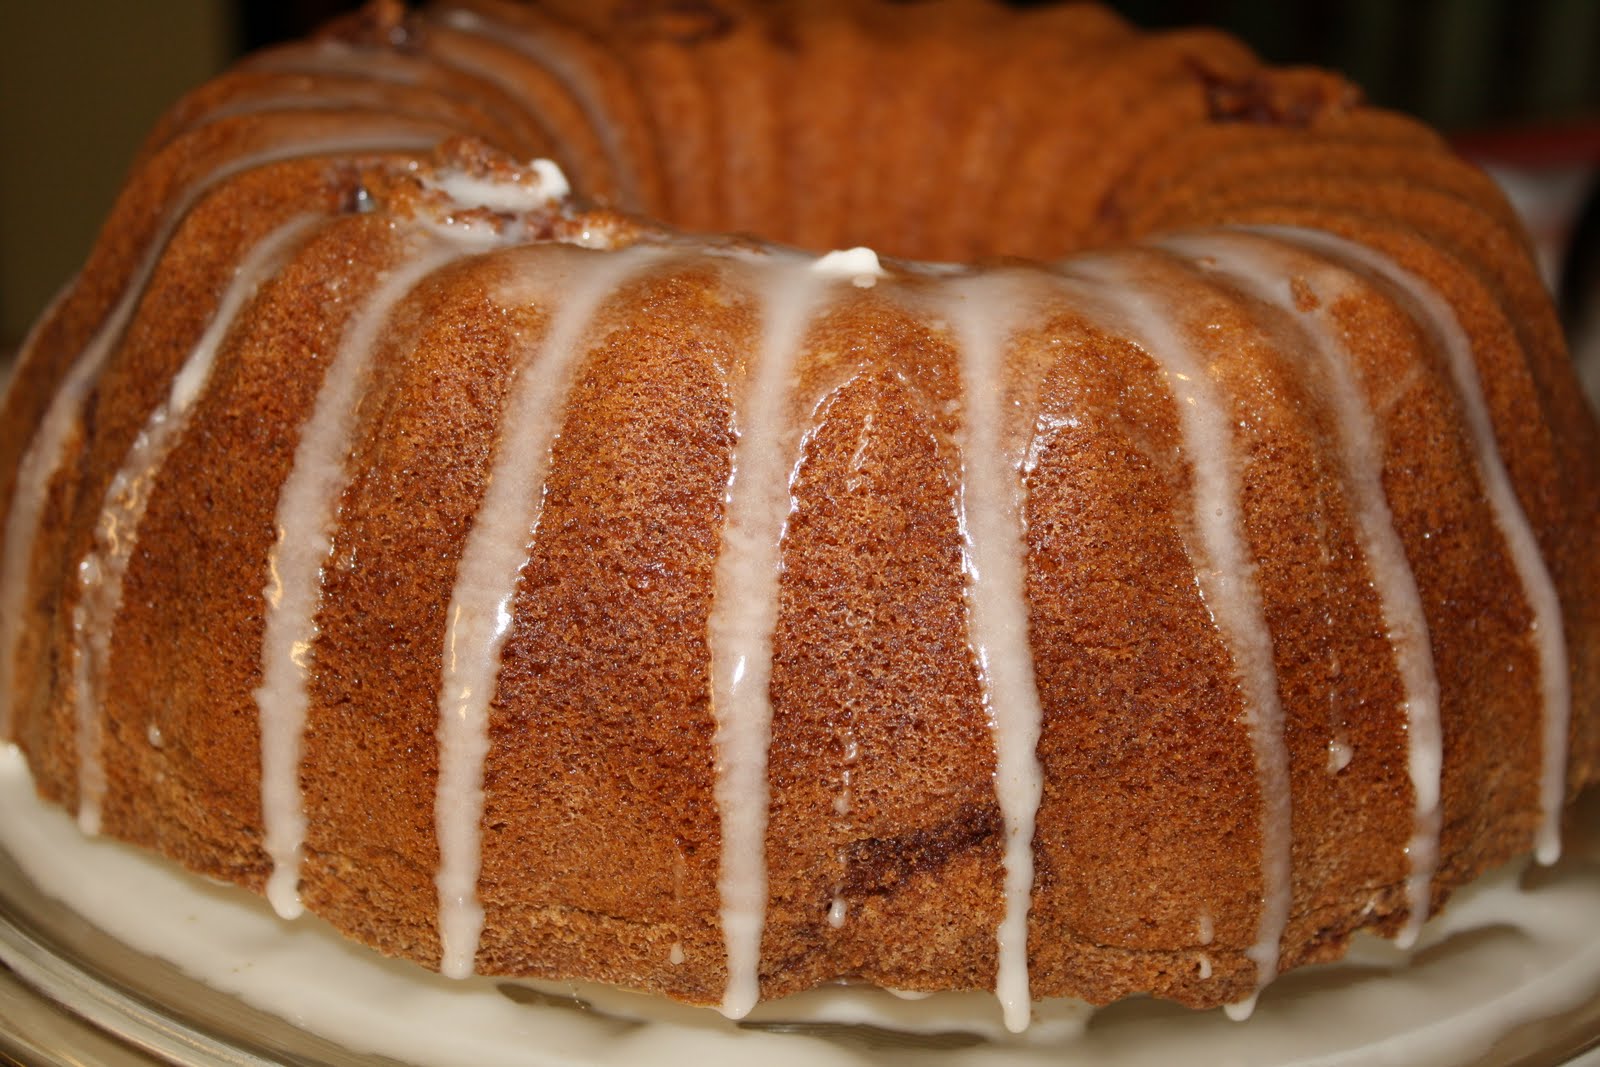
[891,179]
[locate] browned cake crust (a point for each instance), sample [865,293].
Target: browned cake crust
[603,835]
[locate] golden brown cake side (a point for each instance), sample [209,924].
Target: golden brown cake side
[390,533]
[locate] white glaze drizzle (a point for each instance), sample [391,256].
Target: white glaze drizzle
[849,746]
[1265,272]
[41,461]
[543,185]
[843,800]
[306,512]
[100,574]
[1224,572]
[858,265]
[1548,628]
[744,613]
[984,312]
[492,560]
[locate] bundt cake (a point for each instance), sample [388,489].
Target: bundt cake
[540,581]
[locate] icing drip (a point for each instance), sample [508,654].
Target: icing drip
[492,560]
[859,265]
[1340,754]
[101,572]
[1224,572]
[1548,628]
[909,994]
[1241,1010]
[743,615]
[843,801]
[546,185]
[41,461]
[995,558]
[1264,272]
[306,512]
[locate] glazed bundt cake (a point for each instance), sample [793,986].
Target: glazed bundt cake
[532,582]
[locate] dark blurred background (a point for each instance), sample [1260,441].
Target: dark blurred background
[81,81]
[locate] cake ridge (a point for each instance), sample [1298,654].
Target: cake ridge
[375,62]
[485,587]
[101,572]
[1224,572]
[306,511]
[8,569]
[1262,269]
[1548,629]
[1520,353]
